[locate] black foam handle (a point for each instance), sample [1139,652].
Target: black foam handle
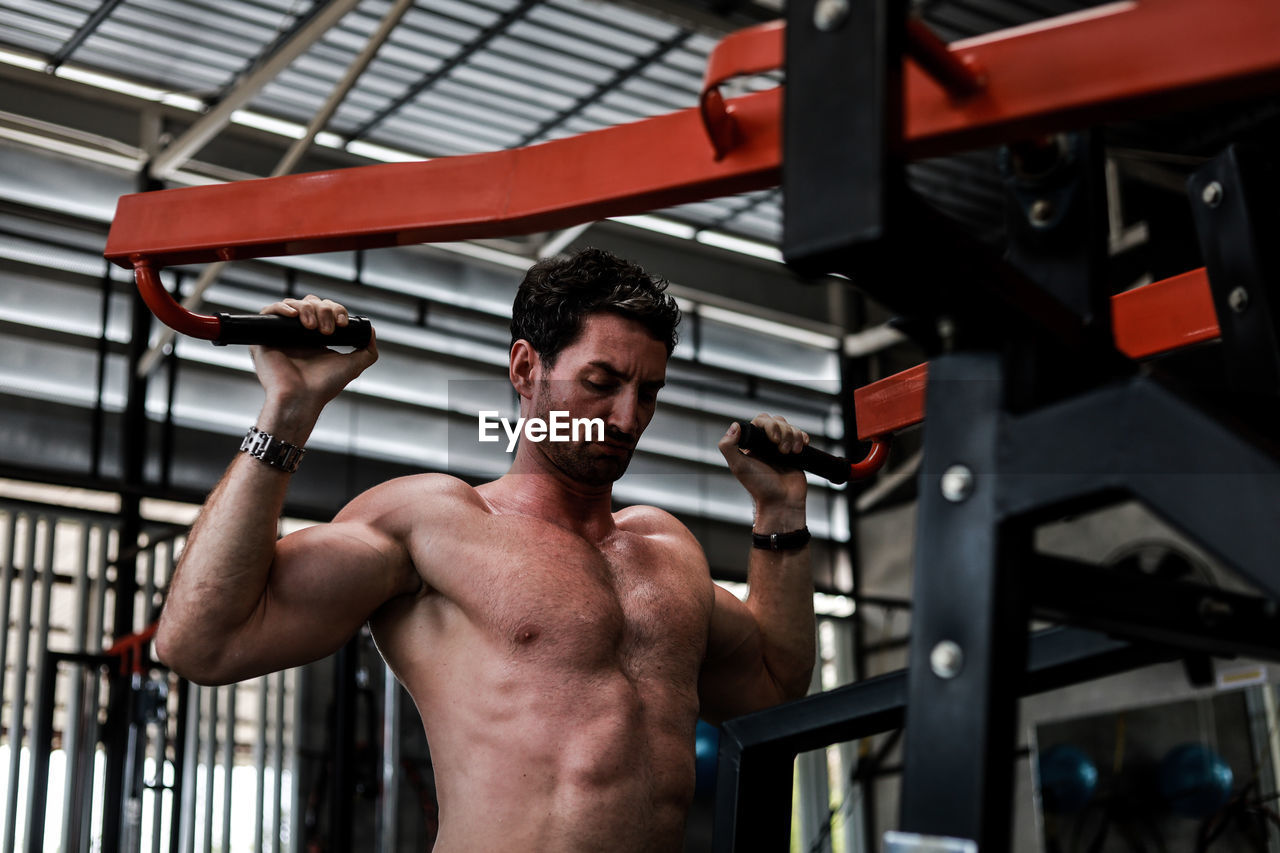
[825,465]
[272,330]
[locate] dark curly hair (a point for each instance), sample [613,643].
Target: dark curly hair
[557,294]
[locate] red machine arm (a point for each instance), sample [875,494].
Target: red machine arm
[1162,316]
[621,170]
[1118,60]
[1121,59]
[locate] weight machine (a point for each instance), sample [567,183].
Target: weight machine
[1042,399]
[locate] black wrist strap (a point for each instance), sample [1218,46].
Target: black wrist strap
[793,541]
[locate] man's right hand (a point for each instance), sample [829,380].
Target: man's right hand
[300,382]
[240,603]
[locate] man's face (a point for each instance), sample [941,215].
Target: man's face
[612,371]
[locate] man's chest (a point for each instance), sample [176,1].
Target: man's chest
[545,596]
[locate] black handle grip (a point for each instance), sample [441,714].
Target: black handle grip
[825,465]
[272,330]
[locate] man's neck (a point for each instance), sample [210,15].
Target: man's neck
[535,487]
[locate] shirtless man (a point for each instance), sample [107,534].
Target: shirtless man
[559,653]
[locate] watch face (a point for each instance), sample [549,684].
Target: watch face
[790,541]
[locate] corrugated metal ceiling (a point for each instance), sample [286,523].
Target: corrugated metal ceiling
[461,76]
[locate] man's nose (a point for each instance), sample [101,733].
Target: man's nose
[625,414]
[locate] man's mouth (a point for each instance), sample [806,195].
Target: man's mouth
[617,447]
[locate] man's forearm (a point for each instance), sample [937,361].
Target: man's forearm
[781,600]
[222,576]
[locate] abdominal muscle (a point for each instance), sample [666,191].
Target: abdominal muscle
[557,685]
[532,754]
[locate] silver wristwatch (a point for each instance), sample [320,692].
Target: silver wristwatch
[265,447]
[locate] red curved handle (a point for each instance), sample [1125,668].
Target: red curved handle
[167,309]
[129,649]
[754,50]
[761,48]
[876,457]
[267,330]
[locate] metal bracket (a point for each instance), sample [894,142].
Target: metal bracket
[1233,200]
[842,137]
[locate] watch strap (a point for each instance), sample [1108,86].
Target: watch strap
[792,541]
[268,449]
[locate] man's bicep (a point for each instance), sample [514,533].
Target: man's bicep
[734,679]
[733,628]
[325,581]
[349,561]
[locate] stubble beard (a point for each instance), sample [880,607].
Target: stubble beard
[585,462]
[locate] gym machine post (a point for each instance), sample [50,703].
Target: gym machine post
[1035,406]
[1032,416]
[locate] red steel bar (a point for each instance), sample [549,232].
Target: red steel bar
[890,404]
[759,49]
[1147,321]
[1118,60]
[628,169]
[957,72]
[1164,316]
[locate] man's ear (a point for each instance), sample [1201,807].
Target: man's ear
[524,367]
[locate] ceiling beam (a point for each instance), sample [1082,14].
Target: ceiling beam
[715,18]
[482,38]
[268,49]
[182,149]
[637,67]
[91,23]
[195,299]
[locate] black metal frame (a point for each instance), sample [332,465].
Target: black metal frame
[118,729]
[133,444]
[753,793]
[1032,416]
[1233,202]
[42,738]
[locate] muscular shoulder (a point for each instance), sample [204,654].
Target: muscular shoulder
[412,501]
[649,521]
[660,527]
[411,516]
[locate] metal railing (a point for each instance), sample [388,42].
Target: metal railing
[208,767]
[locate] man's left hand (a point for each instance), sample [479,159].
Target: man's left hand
[767,484]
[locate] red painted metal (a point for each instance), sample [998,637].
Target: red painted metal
[876,457]
[959,73]
[892,403]
[1147,321]
[1164,316]
[629,169]
[131,650]
[1114,61]
[167,309]
[762,48]
[751,51]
